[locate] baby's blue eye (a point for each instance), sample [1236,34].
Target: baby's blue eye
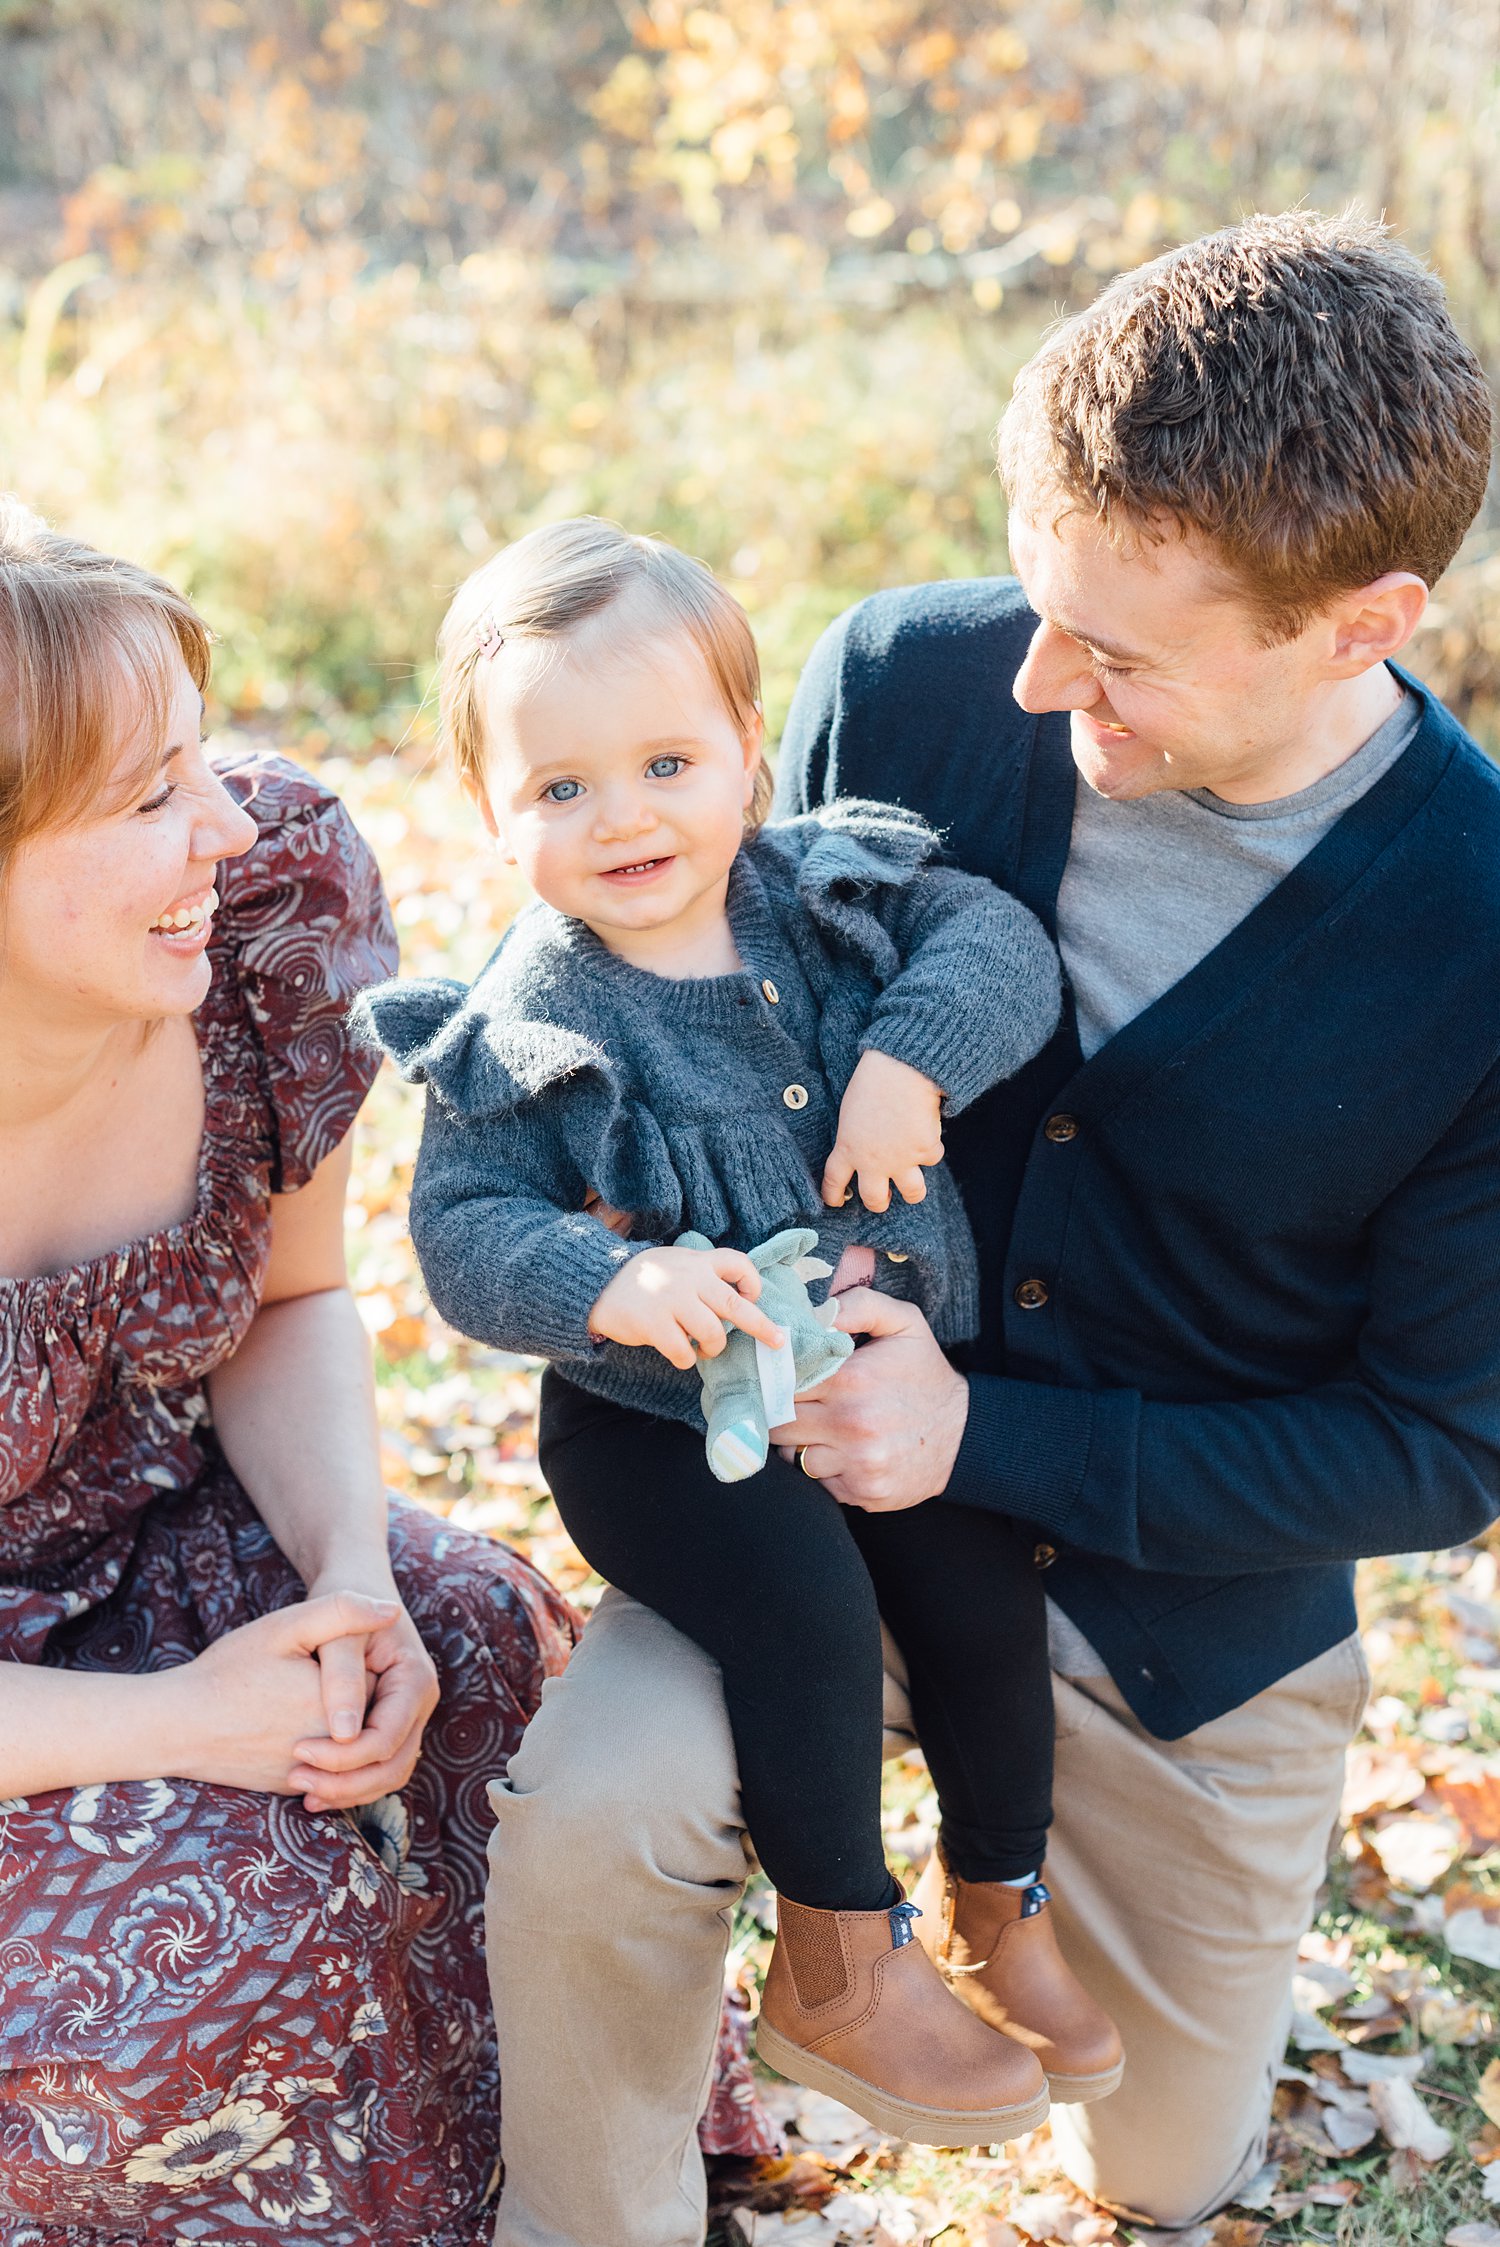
[665,768]
[563,791]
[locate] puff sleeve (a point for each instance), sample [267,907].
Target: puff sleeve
[520,1114]
[969,984]
[303,927]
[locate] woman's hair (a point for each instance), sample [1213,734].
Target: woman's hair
[88,649]
[565,575]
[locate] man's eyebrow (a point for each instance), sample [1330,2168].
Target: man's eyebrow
[1095,645]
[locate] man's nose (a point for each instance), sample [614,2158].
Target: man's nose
[1055,674]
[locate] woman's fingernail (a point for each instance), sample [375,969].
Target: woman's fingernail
[346,1725]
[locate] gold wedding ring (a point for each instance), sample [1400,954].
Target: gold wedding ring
[802,1462]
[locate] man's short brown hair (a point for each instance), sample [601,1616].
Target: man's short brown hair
[1292,389]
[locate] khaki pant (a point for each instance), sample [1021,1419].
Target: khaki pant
[1185,1873]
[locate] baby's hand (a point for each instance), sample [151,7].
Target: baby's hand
[670,1299]
[890,1125]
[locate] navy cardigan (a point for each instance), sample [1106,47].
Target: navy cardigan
[1240,1320]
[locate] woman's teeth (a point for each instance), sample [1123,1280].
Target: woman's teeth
[185,917]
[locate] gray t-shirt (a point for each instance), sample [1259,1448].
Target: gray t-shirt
[1152,886]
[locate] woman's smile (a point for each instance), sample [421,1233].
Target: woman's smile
[185,927]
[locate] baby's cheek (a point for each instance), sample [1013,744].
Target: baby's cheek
[855,1268]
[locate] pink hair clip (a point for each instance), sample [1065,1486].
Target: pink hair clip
[491,639]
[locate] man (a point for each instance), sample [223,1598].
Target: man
[1238,1224]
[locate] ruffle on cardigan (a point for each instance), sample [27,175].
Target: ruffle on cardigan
[857,847]
[479,1064]
[719,1171]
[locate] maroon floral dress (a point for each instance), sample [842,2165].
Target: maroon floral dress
[222,2019]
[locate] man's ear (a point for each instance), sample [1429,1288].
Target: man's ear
[1373,622]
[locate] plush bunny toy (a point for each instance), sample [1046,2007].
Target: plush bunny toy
[748,1389]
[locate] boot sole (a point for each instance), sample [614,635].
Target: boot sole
[899,2118]
[1082,2090]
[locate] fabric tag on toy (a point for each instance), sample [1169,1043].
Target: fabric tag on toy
[777,1372]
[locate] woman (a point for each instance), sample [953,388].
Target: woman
[242,1987]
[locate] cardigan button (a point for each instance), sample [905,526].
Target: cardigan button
[1060,1129]
[772,995]
[1031,1294]
[898,1256]
[1044,1556]
[796,1096]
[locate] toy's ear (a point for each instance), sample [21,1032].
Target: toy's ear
[812,1268]
[784,1248]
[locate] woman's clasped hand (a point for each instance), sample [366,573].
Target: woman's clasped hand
[327,1699]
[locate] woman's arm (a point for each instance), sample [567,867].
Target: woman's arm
[294,1408]
[235,1716]
[294,1412]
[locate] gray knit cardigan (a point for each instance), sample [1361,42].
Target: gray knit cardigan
[707,1103]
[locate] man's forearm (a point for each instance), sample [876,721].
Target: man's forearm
[294,1411]
[1331,1474]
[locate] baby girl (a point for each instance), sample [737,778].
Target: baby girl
[711,1025]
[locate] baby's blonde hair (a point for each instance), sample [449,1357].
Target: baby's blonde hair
[559,577]
[88,644]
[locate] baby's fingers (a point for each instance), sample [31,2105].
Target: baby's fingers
[750,1319]
[732,1265]
[875,1189]
[676,1346]
[837,1172]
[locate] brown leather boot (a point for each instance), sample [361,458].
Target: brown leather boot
[855,2008]
[997,1949]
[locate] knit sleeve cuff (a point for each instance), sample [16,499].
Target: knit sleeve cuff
[950,1061]
[561,1307]
[1025,1450]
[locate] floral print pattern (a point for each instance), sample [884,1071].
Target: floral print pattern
[223,2020]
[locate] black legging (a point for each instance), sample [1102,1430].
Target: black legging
[784,1588]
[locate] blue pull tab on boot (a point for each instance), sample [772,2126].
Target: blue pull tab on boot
[901,1916]
[1036,1897]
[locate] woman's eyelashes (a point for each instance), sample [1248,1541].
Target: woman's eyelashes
[158,802]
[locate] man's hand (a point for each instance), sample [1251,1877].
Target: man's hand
[890,1124]
[676,1300]
[884,1431]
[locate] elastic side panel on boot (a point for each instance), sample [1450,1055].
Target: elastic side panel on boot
[816,1958]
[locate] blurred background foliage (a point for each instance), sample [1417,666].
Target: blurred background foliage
[313,302]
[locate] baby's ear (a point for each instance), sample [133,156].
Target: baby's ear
[479,797]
